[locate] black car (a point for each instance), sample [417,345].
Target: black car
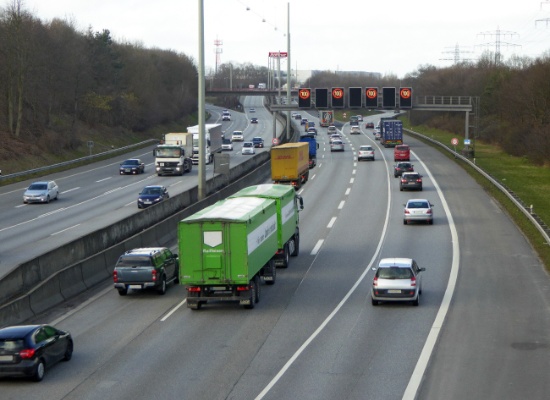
[410,180]
[401,167]
[258,142]
[152,195]
[132,166]
[27,350]
[253,120]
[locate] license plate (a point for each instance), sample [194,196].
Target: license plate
[134,286]
[218,288]
[6,358]
[147,202]
[418,212]
[394,291]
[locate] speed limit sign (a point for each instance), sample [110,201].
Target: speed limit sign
[275,141]
[454,141]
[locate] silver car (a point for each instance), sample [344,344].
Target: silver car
[418,210]
[397,279]
[366,152]
[336,145]
[41,192]
[248,148]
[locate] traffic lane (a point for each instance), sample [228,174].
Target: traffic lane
[501,298]
[390,336]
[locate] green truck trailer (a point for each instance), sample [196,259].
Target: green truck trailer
[226,248]
[288,206]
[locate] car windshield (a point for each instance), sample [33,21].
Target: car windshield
[130,162]
[38,186]
[394,273]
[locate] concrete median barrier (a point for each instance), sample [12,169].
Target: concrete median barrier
[71,281]
[46,295]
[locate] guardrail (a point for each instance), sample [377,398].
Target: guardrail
[537,222]
[76,161]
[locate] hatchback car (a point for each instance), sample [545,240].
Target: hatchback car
[41,192]
[27,350]
[331,130]
[151,195]
[410,180]
[369,125]
[258,142]
[252,110]
[402,152]
[335,136]
[248,148]
[336,145]
[401,167]
[237,136]
[253,120]
[418,210]
[366,152]
[355,130]
[397,279]
[132,166]
[227,145]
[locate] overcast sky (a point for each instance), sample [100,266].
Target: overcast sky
[390,37]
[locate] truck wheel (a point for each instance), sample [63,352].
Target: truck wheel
[286,255]
[273,271]
[123,292]
[252,297]
[194,306]
[189,166]
[296,240]
[258,288]
[162,289]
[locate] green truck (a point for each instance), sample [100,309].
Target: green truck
[288,207]
[226,248]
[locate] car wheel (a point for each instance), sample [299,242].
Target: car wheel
[400,189]
[69,351]
[123,291]
[404,222]
[39,371]
[374,302]
[430,222]
[48,199]
[194,306]
[162,289]
[416,302]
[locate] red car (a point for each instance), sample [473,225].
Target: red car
[402,152]
[369,125]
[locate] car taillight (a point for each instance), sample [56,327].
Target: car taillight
[375,281]
[27,353]
[429,212]
[413,281]
[115,276]
[407,211]
[403,181]
[154,275]
[419,180]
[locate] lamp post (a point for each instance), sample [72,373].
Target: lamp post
[288,77]
[202,107]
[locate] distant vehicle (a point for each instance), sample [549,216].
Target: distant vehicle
[360,118]
[146,268]
[335,136]
[418,210]
[312,131]
[132,166]
[410,180]
[331,129]
[252,110]
[237,136]
[248,148]
[402,152]
[354,120]
[298,116]
[226,116]
[401,167]
[369,125]
[355,130]
[253,120]
[336,145]
[303,121]
[397,279]
[28,350]
[41,192]
[151,195]
[227,145]
[258,142]
[366,152]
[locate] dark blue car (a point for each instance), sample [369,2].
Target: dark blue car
[152,195]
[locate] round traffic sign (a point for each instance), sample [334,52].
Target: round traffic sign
[275,141]
[454,141]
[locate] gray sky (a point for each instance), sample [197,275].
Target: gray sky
[390,37]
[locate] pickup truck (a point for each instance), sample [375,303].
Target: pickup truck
[151,267]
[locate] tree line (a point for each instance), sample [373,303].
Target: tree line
[52,77]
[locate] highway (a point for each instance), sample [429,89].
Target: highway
[481,330]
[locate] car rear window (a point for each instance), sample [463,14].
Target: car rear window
[402,148]
[394,273]
[417,204]
[130,261]
[11,344]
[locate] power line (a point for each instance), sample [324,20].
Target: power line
[497,43]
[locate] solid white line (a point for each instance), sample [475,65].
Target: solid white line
[173,310]
[425,355]
[317,247]
[331,223]
[104,179]
[341,205]
[70,190]
[66,229]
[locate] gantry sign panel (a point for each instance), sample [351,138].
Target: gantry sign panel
[355,97]
[321,98]
[304,98]
[371,97]
[337,97]
[388,97]
[405,97]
